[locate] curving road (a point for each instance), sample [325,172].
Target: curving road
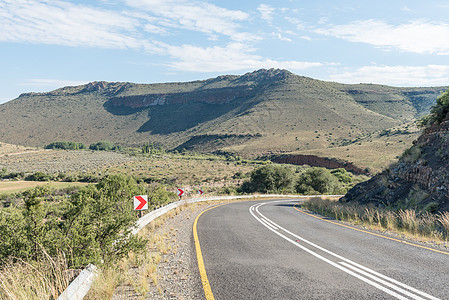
[271,250]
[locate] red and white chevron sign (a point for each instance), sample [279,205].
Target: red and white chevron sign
[180,192]
[140,202]
[200,191]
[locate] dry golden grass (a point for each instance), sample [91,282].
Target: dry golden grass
[105,283]
[424,226]
[8,187]
[44,279]
[142,265]
[8,149]
[376,154]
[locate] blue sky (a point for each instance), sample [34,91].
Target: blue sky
[47,44]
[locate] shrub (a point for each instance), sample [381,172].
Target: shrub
[438,112]
[269,178]
[105,146]
[39,176]
[317,181]
[92,226]
[66,145]
[342,175]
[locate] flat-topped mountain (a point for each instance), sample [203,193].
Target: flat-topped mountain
[259,113]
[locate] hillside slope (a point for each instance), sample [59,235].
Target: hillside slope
[419,180]
[263,112]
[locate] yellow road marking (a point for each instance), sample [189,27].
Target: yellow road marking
[206,285]
[372,233]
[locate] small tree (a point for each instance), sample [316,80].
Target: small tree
[317,181]
[270,178]
[99,220]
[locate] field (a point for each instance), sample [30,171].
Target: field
[8,187]
[7,149]
[176,170]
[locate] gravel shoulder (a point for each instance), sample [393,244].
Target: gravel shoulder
[177,272]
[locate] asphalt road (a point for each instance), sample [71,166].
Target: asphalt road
[270,250]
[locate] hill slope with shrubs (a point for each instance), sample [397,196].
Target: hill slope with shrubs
[420,179]
[260,113]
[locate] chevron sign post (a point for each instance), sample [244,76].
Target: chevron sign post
[140,202]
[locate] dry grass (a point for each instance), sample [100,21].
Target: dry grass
[376,153]
[9,187]
[200,170]
[108,278]
[423,226]
[8,149]
[45,279]
[138,270]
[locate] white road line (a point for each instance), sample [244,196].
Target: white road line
[353,263]
[268,224]
[347,268]
[407,293]
[393,281]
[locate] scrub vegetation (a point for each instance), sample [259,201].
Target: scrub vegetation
[299,180]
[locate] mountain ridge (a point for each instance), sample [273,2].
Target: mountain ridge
[283,112]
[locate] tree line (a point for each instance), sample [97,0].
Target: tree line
[310,181]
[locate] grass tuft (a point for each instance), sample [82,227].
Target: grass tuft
[409,222]
[44,279]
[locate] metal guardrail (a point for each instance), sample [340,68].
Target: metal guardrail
[81,285]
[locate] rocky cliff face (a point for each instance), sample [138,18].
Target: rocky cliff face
[210,96]
[220,90]
[316,161]
[419,180]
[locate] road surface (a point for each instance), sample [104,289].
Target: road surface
[271,250]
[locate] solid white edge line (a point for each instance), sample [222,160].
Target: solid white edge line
[350,261]
[391,285]
[267,224]
[378,286]
[393,281]
[271,222]
[345,259]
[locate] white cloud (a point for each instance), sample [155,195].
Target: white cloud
[196,16]
[281,37]
[298,23]
[266,11]
[41,82]
[430,75]
[233,57]
[323,20]
[416,36]
[64,23]
[406,9]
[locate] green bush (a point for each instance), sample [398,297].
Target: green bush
[66,145]
[39,176]
[4,174]
[92,226]
[105,146]
[269,178]
[342,175]
[317,181]
[438,112]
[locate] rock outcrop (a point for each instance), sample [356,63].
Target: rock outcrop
[316,161]
[419,180]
